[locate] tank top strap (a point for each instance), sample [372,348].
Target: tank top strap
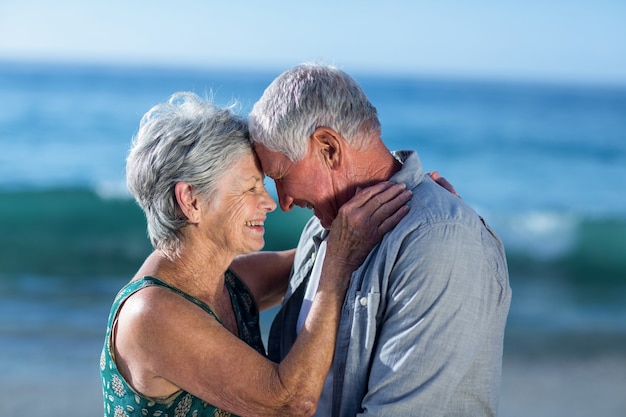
[149,281]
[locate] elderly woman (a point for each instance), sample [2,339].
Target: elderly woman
[183,335]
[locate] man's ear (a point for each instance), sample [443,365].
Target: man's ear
[187,201]
[331,146]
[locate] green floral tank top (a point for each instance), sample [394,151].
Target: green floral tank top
[120,400]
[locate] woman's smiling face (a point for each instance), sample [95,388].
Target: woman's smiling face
[235,216]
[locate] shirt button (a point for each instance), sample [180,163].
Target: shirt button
[363,301]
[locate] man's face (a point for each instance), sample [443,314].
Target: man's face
[307,183]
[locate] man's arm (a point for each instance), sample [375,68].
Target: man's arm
[441,306]
[266,274]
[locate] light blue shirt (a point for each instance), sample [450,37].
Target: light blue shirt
[422,326]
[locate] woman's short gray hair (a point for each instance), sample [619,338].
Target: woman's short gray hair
[184,139]
[306,97]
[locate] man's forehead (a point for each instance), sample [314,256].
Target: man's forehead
[261,149]
[270,160]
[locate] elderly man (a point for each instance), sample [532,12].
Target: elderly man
[422,325]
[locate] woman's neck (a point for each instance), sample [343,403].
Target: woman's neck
[197,273]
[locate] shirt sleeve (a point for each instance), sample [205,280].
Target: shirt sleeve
[438,311]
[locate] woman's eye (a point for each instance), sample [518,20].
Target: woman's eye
[257,188]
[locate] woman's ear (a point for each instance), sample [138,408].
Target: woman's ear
[330,144]
[187,201]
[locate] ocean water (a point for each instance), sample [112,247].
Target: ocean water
[545,164]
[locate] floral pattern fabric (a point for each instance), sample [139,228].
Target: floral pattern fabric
[120,400]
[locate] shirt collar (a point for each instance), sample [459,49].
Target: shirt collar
[412,172]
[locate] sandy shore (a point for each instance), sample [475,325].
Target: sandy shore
[532,387]
[568,387]
[56,393]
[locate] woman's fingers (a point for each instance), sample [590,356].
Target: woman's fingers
[443,182]
[363,221]
[389,206]
[383,204]
[380,192]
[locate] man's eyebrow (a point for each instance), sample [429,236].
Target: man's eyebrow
[269,175]
[276,175]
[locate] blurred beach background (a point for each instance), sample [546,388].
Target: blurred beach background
[522,108]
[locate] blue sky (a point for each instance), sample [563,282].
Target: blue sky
[575,40]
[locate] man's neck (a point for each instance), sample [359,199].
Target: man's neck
[375,165]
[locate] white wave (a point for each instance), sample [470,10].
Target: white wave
[112,190]
[542,234]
